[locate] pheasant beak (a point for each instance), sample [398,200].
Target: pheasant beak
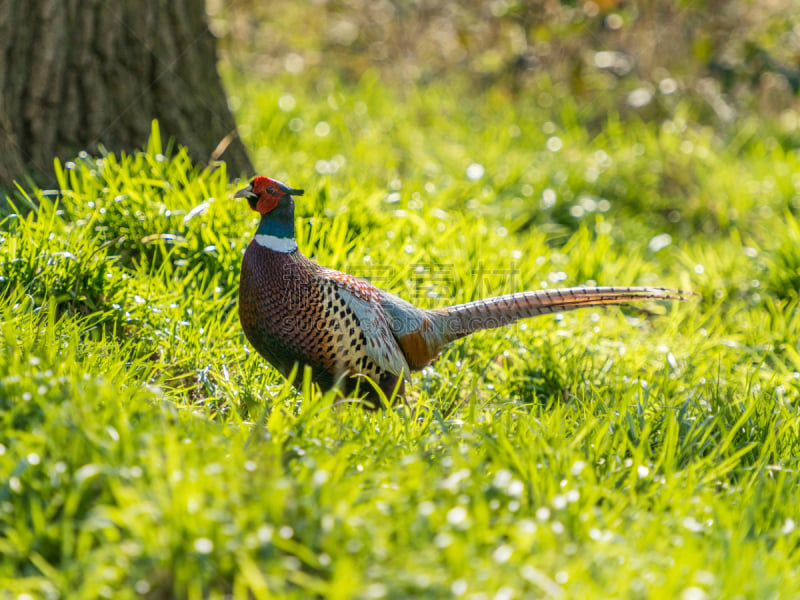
[246,192]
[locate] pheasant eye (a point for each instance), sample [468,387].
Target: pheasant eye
[271,190]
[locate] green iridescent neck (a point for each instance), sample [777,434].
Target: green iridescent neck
[280,221]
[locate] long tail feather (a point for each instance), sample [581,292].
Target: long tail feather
[463,319]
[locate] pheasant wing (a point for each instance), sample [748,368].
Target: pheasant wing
[364,300]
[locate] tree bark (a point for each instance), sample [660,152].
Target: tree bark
[91,74]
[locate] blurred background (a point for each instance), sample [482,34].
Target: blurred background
[717,59]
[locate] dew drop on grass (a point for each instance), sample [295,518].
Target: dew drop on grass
[475,171]
[426,508]
[142,587]
[457,515]
[671,360]
[264,534]
[192,506]
[588,203]
[502,478]
[640,97]
[667,86]
[554,143]
[294,63]
[443,540]
[502,553]
[86,472]
[527,526]
[504,593]
[296,125]
[113,434]
[604,59]
[659,242]
[322,129]
[693,593]
[515,488]
[458,587]
[203,545]
[692,524]
[375,590]
[287,103]
[788,526]
[212,469]
[291,563]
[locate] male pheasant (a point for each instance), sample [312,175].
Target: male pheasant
[296,312]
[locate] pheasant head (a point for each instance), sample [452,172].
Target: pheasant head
[264,194]
[273,201]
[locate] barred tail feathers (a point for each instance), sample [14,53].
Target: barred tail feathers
[463,319]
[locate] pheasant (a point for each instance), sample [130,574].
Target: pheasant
[353,335]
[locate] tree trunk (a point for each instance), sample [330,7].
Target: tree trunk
[85,74]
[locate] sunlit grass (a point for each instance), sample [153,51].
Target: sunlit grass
[146,451]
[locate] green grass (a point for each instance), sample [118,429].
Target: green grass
[649,452]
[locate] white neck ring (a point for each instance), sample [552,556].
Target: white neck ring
[278,244]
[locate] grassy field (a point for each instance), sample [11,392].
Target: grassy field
[646,452]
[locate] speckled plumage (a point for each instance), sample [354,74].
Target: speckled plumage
[354,335]
[294,311]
